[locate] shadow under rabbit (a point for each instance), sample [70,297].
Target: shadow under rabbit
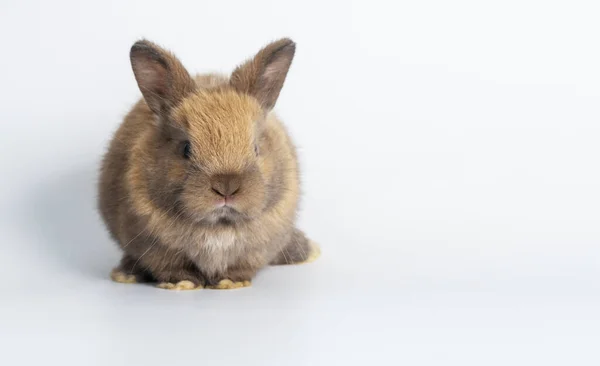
[73,237]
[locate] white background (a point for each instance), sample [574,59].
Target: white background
[450,152]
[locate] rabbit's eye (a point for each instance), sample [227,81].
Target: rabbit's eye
[187,150]
[256,149]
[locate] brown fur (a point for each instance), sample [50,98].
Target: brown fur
[162,208]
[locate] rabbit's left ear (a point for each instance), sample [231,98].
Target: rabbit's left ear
[161,77]
[264,75]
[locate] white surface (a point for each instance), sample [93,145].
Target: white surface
[451,173]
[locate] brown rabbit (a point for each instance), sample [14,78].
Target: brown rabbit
[200,183]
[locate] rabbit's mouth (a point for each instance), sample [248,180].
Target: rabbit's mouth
[225,214]
[225,211]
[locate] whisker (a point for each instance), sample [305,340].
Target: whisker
[146,228]
[302,249]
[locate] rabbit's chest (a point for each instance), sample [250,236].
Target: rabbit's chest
[222,241]
[214,252]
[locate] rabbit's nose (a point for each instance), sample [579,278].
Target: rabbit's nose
[226,185]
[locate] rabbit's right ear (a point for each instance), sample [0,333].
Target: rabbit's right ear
[161,77]
[263,76]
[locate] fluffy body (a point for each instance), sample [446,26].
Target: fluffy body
[168,212]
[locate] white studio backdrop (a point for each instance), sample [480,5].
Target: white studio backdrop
[450,153]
